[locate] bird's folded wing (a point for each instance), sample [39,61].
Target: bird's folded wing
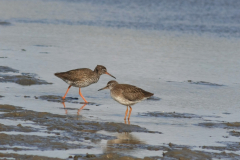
[133,93]
[77,75]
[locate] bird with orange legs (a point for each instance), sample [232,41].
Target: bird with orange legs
[82,77]
[126,94]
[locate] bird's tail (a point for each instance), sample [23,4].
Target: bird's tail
[148,94]
[57,74]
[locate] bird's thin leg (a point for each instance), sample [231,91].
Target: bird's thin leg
[82,96]
[126,113]
[130,112]
[81,108]
[66,92]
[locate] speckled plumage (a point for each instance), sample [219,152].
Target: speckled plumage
[126,94]
[82,77]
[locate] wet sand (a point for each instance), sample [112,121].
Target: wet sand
[49,131]
[64,130]
[25,79]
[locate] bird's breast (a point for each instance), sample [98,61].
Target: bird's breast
[83,82]
[120,99]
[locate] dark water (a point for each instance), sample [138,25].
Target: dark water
[218,17]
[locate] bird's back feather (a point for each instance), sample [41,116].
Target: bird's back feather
[133,93]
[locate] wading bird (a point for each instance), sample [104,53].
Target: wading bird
[126,94]
[82,77]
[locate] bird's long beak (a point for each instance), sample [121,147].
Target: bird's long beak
[103,88]
[110,75]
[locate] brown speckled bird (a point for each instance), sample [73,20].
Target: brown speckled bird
[126,94]
[82,77]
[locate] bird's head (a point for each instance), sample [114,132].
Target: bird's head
[110,85]
[102,70]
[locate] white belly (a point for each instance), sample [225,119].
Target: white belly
[124,101]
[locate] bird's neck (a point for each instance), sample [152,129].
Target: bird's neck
[97,74]
[96,71]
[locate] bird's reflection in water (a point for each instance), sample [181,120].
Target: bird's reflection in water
[125,142]
[65,107]
[79,110]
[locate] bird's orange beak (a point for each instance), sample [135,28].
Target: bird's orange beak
[110,75]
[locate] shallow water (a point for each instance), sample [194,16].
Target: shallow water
[148,44]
